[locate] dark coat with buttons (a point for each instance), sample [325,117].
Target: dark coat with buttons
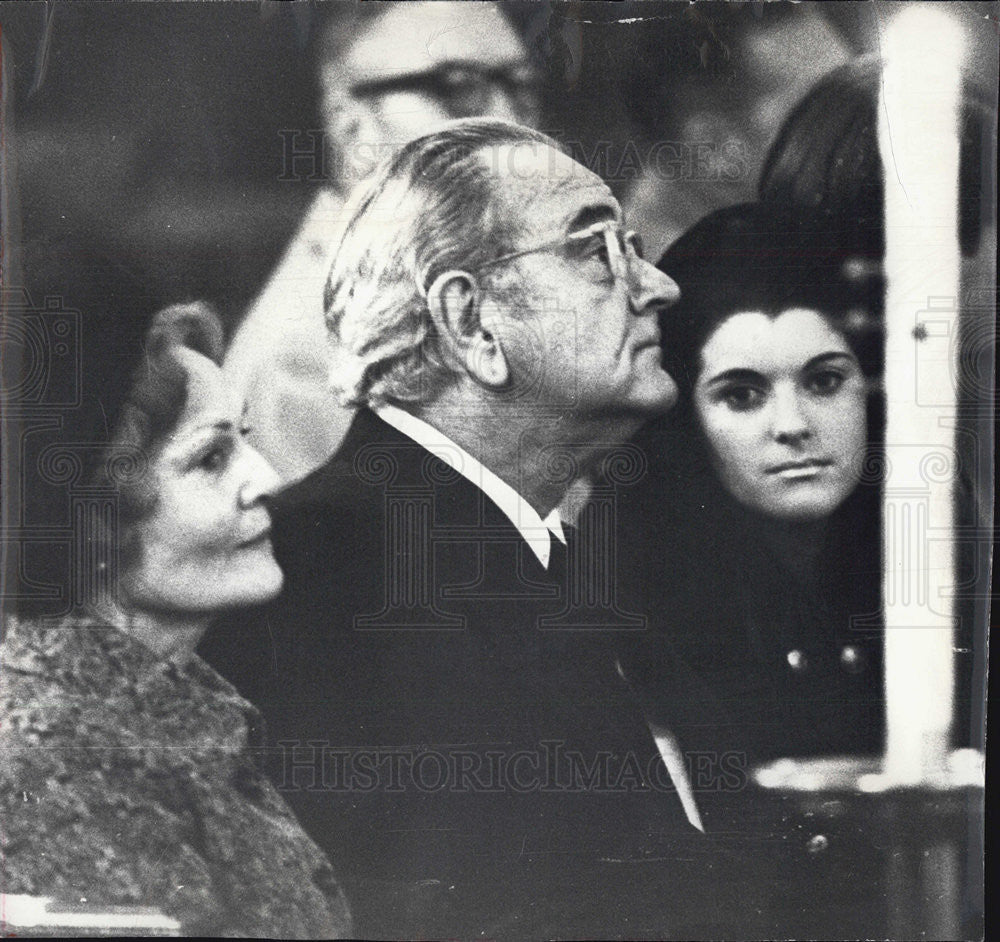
[761,653]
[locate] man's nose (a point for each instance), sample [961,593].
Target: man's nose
[651,290]
[789,421]
[503,104]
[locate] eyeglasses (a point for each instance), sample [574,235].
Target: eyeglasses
[465,89]
[606,241]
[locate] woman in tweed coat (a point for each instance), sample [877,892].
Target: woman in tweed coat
[127,772]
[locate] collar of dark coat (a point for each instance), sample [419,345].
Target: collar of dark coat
[376,464]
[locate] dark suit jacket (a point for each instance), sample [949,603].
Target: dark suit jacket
[448,720]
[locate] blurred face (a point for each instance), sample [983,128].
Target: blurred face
[781,402]
[582,338]
[419,64]
[205,546]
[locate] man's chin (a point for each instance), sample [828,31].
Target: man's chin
[658,396]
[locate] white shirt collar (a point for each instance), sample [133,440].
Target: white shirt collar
[537,532]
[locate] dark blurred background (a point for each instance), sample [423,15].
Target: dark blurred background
[145,143]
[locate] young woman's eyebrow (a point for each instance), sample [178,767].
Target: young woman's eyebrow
[736,375]
[827,357]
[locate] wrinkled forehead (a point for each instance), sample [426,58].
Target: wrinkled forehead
[546,191]
[416,37]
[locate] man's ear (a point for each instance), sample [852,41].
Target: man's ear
[455,306]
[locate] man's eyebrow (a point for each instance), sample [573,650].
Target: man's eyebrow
[590,215]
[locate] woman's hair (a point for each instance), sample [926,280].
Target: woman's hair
[153,402]
[750,258]
[753,257]
[825,158]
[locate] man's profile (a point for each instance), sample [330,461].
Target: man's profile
[473,759]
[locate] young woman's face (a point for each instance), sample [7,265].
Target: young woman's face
[781,402]
[205,546]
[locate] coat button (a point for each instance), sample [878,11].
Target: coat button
[797,660]
[852,659]
[817,844]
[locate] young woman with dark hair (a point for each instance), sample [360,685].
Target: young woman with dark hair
[761,505]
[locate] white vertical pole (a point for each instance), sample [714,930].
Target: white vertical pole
[919,147]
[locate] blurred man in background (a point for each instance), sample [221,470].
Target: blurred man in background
[386,73]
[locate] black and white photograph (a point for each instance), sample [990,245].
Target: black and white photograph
[499,470]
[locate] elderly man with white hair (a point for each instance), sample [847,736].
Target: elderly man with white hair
[463,744]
